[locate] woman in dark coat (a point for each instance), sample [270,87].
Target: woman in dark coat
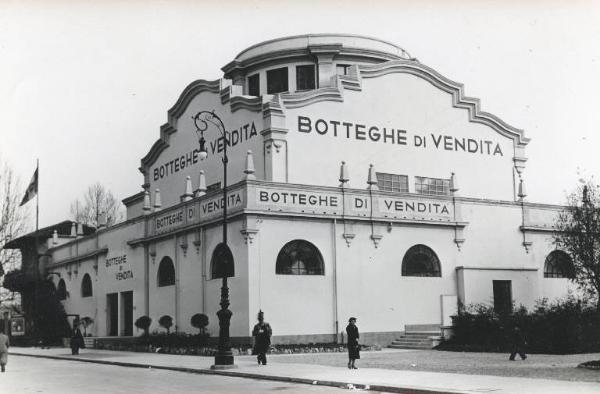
[262,339]
[353,346]
[76,338]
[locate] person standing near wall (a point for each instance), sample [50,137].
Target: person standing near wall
[518,344]
[353,346]
[4,343]
[76,339]
[262,339]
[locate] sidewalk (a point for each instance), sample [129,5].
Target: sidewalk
[376,379]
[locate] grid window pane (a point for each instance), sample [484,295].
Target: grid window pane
[392,182]
[342,69]
[254,85]
[277,80]
[213,187]
[432,186]
[305,77]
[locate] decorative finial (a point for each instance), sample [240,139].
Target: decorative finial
[453,183]
[157,200]
[372,179]
[344,176]
[147,208]
[249,171]
[522,193]
[188,194]
[201,185]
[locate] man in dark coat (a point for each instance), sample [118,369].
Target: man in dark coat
[262,339]
[353,346]
[518,344]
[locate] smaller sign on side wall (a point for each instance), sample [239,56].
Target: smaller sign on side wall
[118,267]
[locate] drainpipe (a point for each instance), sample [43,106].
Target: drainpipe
[335,280]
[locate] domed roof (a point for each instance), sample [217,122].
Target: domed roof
[369,48]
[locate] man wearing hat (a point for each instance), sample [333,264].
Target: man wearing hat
[262,339]
[353,346]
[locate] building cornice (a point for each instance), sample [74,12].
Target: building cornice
[481,268]
[82,257]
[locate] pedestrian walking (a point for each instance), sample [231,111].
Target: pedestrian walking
[76,338]
[518,344]
[353,346]
[4,343]
[262,339]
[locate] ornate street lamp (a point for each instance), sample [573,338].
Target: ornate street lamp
[224,356]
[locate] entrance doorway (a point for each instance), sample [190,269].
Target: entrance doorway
[112,314]
[127,313]
[502,296]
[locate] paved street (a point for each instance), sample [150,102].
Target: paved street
[539,366]
[393,372]
[37,375]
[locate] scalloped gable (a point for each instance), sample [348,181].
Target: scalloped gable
[236,102]
[459,100]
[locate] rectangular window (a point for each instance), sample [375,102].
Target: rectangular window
[213,187]
[305,77]
[342,69]
[433,186]
[254,85]
[277,80]
[392,182]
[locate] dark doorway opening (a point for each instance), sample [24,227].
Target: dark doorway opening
[503,296]
[112,314]
[127,314]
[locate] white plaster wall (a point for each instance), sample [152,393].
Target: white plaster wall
[162,299]
[190,283]
[104,281]
[238,285]
[371,285]
[479,286]
[293,304]
[399,101]
[492,237]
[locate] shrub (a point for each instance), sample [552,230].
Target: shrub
[143,323]
[166,322]
[199,321]
[565,326]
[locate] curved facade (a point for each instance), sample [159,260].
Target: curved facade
[361,183]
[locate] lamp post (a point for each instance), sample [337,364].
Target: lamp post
[224,356]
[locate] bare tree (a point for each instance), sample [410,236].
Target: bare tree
[13,223]
[97,200]
[578,234]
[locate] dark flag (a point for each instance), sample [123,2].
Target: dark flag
[32,189]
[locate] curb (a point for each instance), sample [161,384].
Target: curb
[248,375]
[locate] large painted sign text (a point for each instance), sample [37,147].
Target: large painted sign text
[386,135]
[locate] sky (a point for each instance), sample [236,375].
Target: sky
[86,85]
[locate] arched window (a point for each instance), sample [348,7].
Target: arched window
[299,257]
[558,265]
[166,272]
[61,291]
[221,263]
[86,286]
[420,260]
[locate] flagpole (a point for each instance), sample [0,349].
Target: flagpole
[37,256]
[37,197]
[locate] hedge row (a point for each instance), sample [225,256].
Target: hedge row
[565,326]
